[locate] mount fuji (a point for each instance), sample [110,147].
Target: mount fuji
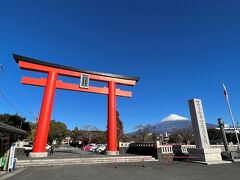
[174,122]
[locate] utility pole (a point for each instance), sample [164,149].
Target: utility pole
[231,115]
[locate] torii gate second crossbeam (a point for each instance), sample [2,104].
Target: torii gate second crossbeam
[51,83]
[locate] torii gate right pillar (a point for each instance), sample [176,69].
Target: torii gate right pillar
[112,121]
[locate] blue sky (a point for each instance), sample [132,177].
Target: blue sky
[179,49]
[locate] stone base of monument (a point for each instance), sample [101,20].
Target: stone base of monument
[207,156]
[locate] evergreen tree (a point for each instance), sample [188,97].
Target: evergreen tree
[15,121]
[120,133]
[57,131]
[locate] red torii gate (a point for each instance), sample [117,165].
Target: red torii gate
[52,82]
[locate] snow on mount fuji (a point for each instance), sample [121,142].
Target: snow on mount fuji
[174,122]
[174,117]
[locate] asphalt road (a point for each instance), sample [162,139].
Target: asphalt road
[132,171]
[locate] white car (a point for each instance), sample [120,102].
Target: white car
[101,148]
[27,147]
[94,148]
[30,147]
[48,147]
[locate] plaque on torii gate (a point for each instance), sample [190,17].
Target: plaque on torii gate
[51,83]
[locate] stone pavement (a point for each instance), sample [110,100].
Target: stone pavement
[133,171]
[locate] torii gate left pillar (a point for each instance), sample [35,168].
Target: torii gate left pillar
[45,114]
[52,83]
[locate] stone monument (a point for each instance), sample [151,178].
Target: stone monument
[203,153]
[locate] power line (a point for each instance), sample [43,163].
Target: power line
[6,99]
[10,87]
[12,93]
[11,97]
[13,104]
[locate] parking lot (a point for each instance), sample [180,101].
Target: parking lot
[67,152]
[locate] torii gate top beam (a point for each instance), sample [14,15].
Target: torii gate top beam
[43,66]
[46,67]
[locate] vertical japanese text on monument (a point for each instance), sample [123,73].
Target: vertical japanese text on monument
[201,120]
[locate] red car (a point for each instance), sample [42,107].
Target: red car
[87,147]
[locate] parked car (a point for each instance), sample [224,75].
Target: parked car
[48,147]
[94,148]
[87,147]
[27,147]
[102,148]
